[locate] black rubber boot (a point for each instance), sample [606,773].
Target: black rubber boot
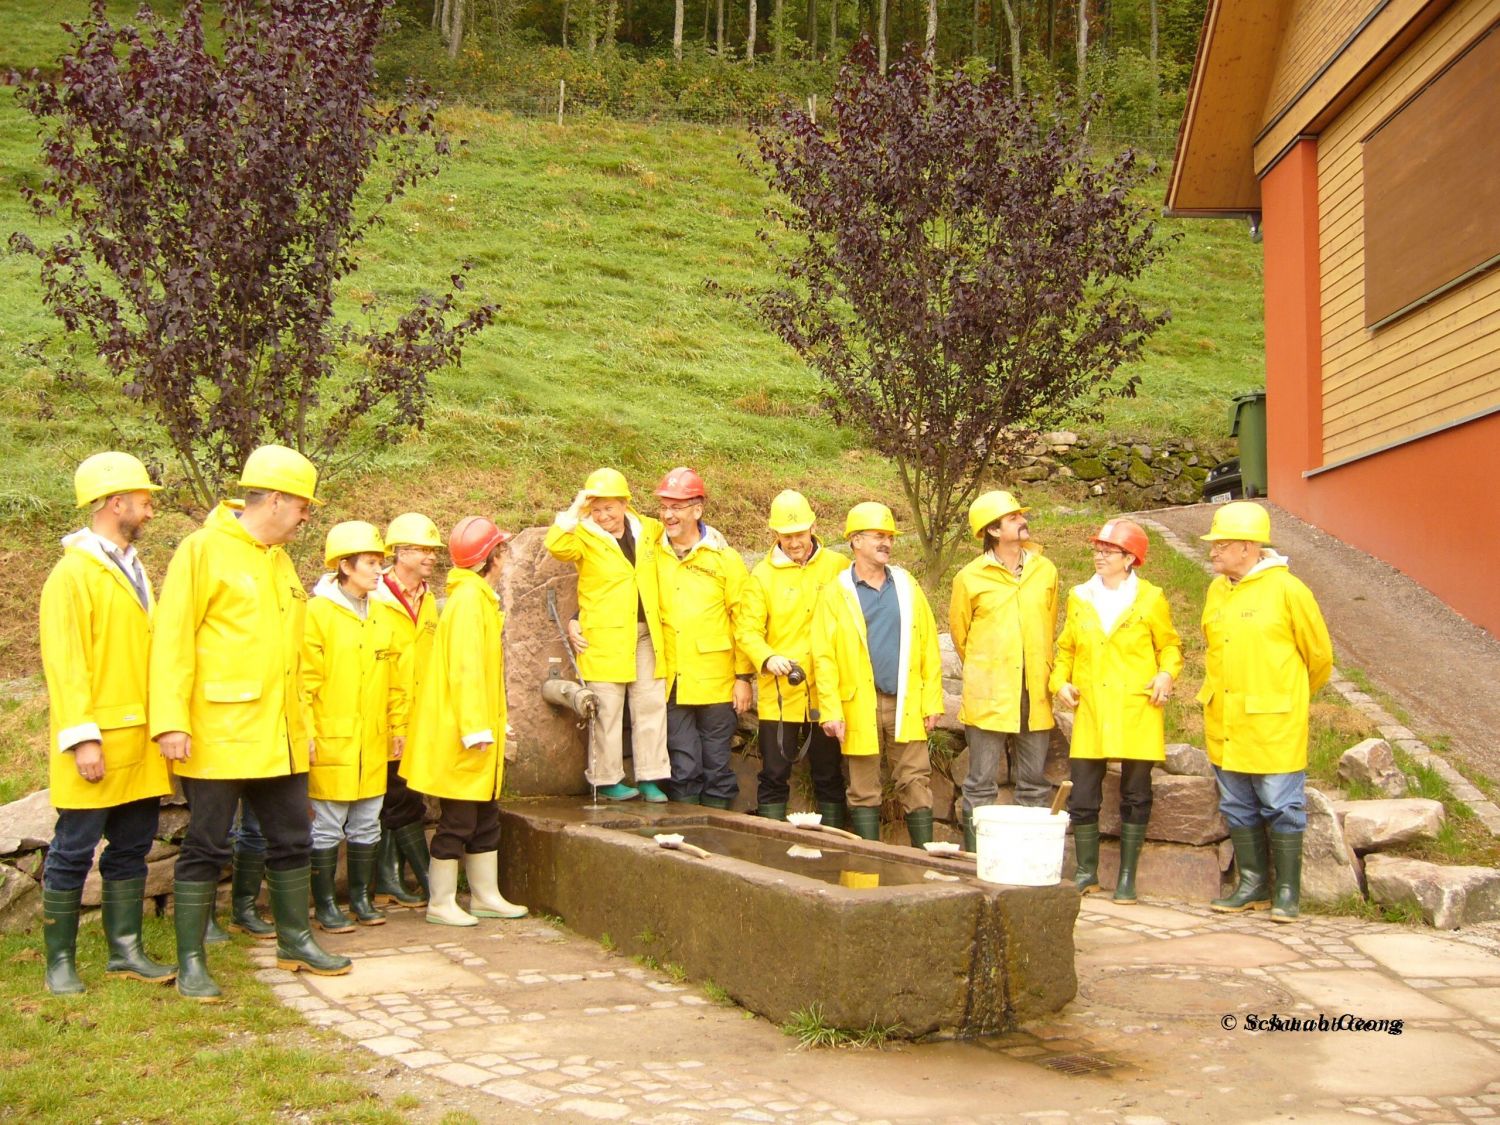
[192,907]
[715,802]
[773,812]
[296,949]
[411,839]
[1250,859]
[325,865]
[1286,856]
[361,867]
[1086,857]
[971,837]
[1132,838]
[122,904]
[865,822]
[60,936]
[387,888]
[919,827]
[244,889]
[835,814]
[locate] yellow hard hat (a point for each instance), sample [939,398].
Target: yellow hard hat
[276,468]
[412,529]
[105,474]
[990,507]
[869,516]
[352,537]
[606,483]
[790,512]
[1240,520]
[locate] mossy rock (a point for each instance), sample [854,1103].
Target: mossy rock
[1089,468]
[1139,473]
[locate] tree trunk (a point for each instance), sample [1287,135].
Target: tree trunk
[1051,32]
[677,13]
[456,29]
[932,24]
[591,20]
[833,27]
[750,35]
[812,29]
[719,30]
[1083,49]
[883,19]
[708,11]
[611,18]
[974,32]
[565,25]
[1155,31]
[1008,6]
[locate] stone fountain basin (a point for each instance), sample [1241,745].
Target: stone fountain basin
[926,957]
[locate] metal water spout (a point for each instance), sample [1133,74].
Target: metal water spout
[570,696]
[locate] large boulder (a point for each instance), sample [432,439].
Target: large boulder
[548,752]
[1330,868]
[20,900]
[1187,760]
[1194,874]
[1184,809]
[1372,826]
[29,821]
[1449,897]
[1374,764]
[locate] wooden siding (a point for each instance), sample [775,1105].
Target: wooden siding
[1318,28]
[1437,364]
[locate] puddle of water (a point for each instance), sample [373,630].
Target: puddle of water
[831,865]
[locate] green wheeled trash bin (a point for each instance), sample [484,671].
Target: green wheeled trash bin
[1248,423]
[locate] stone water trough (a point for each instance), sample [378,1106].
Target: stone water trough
[872,934]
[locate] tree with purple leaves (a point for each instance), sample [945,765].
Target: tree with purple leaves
[956,267]
[213,199]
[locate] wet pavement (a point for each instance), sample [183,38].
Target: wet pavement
[525,1019]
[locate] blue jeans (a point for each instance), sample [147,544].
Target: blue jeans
[987,747]
[699,738]
[129,829]
[1279,800]
[247,834]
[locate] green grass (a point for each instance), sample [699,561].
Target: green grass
[809,1027]
[126,1051]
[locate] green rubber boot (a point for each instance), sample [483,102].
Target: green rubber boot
[411,840]
[971,836]
[386,885]
[1086,858]
[694,799]
[1286,856]
[60,936]
[122,903]
[325,865]
[361,867]
[213,933]
[244,889]
[865,822]
[835,814]
[919,827]
[192,907]
[1132,838]
[715,802]
[773,812]
[296,949]
[1250,860]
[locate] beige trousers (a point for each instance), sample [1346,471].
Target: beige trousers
[648,722]
[910,767]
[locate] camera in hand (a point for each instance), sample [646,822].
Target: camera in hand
[796,675]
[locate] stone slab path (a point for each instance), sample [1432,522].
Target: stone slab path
[525,1020]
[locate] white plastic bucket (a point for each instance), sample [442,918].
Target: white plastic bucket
[1022,847]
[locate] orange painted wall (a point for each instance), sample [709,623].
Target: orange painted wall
[1425,507]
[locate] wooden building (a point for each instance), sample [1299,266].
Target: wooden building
[1362,138]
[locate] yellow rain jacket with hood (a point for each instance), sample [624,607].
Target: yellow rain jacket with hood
[95,638]
[1113,672]
[775,619]
[1268,651]
[1002,625]
[226,655]
[700,597]
[463,699]
[845,678]
[610,592]
[355,676]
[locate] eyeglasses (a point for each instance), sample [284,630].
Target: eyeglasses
[676,509]
[1107,552]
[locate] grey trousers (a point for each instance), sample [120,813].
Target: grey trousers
[987,747]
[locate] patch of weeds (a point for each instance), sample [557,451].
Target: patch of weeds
[1352,905]
[647,936]
[1484,784]
[551,919]
[647,961]
[809,1027]
[1358,790]
[607,942]
[675,971]
[458,1117]
[717,994]
[1407,913]
[406,1101]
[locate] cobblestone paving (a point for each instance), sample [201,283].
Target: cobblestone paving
[542,1023]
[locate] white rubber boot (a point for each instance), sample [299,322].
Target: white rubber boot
[442,903]
[485,899]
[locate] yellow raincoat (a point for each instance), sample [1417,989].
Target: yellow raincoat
[95,640]
[413,637]
[845,678]
[775,619]
[609,592]
[226,655]
[355,678]
[463,699]
[1268,651]
[1113,673]
[700,595]
[1000,624]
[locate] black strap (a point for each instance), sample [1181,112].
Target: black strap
[781,730]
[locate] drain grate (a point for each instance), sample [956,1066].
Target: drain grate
[1077,1064]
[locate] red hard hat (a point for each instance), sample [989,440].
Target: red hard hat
[472,539]
[681,484]
[1126,535]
